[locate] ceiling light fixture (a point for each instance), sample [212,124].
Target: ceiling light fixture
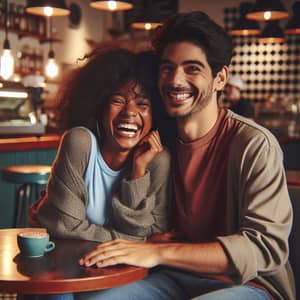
[293,25]
[272,34]
[243,26]
[48,8]
[267,10]
[147,16]
[111,5]
[6,59]
[51,68]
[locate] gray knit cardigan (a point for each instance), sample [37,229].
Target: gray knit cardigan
[139,207]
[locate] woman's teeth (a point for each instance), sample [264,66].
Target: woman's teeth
[128,129]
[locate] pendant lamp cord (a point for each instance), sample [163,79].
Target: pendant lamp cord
[6,19]
[50,33]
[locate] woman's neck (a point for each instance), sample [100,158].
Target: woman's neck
[116,160]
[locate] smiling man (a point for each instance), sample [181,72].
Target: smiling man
[232,213]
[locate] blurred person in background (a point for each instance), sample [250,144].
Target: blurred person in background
[233,98]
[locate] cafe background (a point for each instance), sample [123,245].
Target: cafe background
[271,72]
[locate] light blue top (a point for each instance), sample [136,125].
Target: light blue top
[100,180]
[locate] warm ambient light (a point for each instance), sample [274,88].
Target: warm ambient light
[267,15]
[243,26]
[268,10]
[12,94]
[111,5]
[144,26]
[51,68]
[293,25]
[49,8]
[6,64]
[6,59]
[272,34]
[148,26]
[48,11]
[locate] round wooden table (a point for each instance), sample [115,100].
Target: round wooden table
[57,271]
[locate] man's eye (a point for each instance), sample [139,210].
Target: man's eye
[192,69]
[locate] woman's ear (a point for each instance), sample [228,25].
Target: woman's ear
[221,79]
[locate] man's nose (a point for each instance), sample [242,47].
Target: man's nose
[177,77]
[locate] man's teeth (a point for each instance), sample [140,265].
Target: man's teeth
[180,96]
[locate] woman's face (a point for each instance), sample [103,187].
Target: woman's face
[128,118]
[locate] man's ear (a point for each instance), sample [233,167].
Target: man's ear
[221,79]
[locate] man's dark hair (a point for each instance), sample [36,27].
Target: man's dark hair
[197,28]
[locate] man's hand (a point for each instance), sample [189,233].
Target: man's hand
[123,252]
[148,148]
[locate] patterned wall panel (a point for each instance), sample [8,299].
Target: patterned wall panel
[267,69]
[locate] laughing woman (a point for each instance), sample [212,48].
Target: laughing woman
[110,178]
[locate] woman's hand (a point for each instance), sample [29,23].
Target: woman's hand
[121,251]
[148,148]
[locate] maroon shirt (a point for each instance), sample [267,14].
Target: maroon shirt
[199,178]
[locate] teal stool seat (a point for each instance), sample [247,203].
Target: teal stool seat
[30,177]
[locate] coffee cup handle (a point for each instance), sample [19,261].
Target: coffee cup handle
[50,246]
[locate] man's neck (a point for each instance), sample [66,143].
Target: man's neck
[198,124]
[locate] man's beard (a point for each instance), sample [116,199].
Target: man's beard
[202,101]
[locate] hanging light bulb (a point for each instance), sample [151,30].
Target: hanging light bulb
[6,62]
[48,11]
[51,68]
[6,59]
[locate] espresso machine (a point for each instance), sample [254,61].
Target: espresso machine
[19,109]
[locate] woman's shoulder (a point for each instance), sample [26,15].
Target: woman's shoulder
[77,139]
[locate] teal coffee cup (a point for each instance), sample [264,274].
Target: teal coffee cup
[34,243]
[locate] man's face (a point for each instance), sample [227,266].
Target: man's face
[185,80]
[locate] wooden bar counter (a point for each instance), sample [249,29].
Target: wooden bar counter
[47,141]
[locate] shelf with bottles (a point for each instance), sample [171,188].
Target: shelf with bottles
[25,25]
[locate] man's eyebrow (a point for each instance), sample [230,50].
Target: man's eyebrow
[186,62]
[193,62]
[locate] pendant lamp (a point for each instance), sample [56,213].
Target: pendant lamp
[49,8]
[146,16]
[112,5]
[267,10]
[272,34]
[51,68]
[243,26]
[293,25]
[6,59]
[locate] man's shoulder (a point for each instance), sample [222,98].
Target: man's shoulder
[250,133]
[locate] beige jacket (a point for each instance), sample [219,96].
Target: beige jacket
[259,214]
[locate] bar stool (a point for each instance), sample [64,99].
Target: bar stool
[30,177]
